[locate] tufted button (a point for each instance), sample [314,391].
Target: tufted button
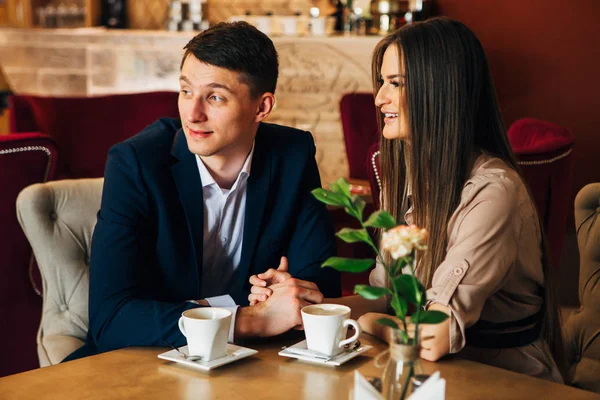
[458,271]
[53,216]
[86,260]
[63,308]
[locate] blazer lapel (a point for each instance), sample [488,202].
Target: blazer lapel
[257,193]
[189,186]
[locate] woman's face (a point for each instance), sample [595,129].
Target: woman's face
[391,98]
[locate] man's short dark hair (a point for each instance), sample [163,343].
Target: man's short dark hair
[239,47]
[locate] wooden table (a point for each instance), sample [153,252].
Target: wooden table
[136,373]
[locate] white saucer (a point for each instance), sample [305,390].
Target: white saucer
[234,353]
[336,360]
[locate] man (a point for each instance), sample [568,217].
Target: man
[192,208]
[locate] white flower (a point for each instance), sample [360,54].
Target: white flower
[401,240]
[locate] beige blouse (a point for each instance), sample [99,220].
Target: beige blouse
[493,268]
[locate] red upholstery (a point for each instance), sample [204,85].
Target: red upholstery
[86,128]
[25,159]
[544,153]
[359,122]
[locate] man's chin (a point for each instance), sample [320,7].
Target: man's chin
[202,151]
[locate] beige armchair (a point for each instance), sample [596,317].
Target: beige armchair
[582,329]
[58,219]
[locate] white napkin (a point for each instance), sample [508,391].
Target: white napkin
[434,388]
[363,390]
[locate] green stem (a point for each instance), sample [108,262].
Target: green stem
[370,241]
[417,296]
[406,382]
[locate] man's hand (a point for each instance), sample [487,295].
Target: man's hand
[261,282]
[279,313]
[264,284]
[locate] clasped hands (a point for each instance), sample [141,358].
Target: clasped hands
[280,296]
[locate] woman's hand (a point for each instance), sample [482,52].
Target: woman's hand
[369,325]
[435,339]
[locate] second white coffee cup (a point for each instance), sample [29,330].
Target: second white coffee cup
[326,326]
[206,330]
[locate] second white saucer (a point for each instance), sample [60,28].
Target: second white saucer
[335,361]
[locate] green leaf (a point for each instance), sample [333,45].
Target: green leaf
[371,292]
[429,317]
[331,198]
[348,264]
[341,186]
[397,266]
[359,205]
[404,285]
[381,219]
[389,323]
[400,306]
[403,335]
[353,235]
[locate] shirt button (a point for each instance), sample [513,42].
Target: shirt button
[457,271]
[224,239]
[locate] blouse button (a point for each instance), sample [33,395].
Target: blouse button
[458,271]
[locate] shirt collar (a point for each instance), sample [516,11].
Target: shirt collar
[207,178]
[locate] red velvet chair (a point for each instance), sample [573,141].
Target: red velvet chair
[25,159]
[544,151]
[86,128]
[359,123]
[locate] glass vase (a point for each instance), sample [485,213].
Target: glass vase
[404,363]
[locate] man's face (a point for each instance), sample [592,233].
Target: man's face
[217,113]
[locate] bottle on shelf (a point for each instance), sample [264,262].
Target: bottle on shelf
[114,14]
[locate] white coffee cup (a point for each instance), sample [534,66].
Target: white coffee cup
[206,330]
[325,327]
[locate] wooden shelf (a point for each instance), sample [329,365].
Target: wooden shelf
[23,13]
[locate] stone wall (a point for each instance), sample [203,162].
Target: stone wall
[314,74]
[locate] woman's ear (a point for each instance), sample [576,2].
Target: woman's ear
[265,106]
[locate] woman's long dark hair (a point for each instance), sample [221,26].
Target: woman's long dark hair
[453,114]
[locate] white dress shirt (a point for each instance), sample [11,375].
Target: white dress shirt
[224,212]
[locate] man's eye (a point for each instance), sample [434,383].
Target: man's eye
[217,98]
[186,92]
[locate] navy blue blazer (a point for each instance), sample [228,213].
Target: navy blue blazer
[146,256]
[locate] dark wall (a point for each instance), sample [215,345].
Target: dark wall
[545,59]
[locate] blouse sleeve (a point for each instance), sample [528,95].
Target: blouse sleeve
[481,253]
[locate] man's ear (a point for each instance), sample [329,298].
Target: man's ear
[265,106]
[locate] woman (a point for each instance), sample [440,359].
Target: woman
[447,166]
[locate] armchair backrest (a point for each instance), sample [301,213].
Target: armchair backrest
[544,153]
[359,123]
[58,219]
[85,128]
[24,160]
[582,329]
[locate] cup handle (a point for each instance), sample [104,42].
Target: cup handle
[356,332]
[181,328]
